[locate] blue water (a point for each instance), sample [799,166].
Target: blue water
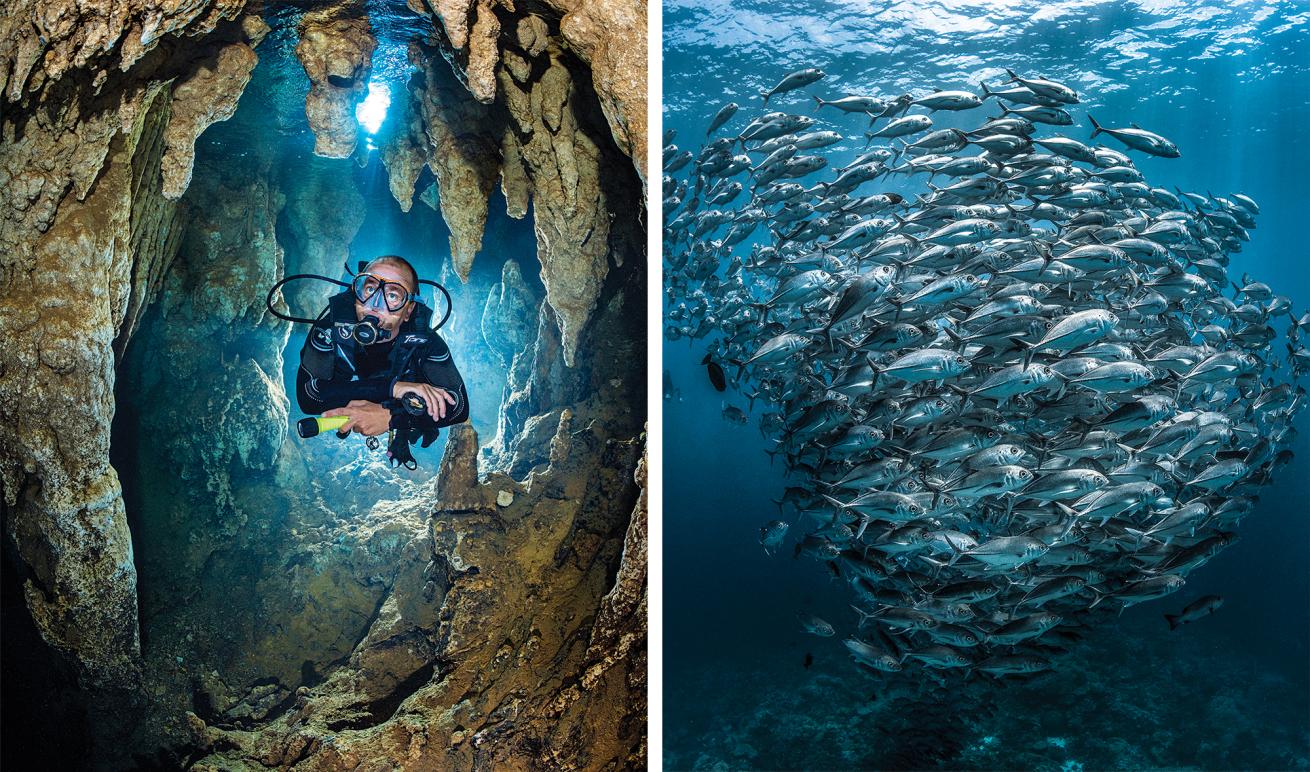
[1229,83]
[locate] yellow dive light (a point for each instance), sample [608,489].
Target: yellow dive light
[312,427]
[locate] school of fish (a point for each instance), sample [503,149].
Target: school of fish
[1019,395]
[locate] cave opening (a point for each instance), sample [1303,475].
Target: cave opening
[256,550]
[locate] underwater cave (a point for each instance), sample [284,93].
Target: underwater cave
[187,582]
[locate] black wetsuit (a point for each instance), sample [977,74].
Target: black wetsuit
[335,369]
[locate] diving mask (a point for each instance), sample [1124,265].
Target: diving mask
[377,292]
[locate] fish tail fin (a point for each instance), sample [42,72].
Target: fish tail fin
[1030,349]
[1005,111]
[964,394]
[864,524]
[956,553]
[900,306]
[1065,509]
[1013,77]
[766,96]
[877,371]
[818,103]
[1172,619]
[1096,127]
[986,91]
[833,501]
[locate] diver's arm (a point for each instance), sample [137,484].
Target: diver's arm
[438,369]
[314,395]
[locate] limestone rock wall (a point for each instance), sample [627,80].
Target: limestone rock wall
[210,364]
[90,231]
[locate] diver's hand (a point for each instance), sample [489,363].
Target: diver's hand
[368,418]
[437,399]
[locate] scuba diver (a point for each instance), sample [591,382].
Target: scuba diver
[373,361]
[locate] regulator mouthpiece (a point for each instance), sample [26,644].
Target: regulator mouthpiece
[370,331]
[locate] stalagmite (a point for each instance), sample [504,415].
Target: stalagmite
[507,319]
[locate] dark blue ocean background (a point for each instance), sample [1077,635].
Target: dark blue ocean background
[1229,83]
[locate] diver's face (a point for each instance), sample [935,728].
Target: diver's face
[388,320]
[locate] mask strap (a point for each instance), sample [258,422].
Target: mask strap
[268,299]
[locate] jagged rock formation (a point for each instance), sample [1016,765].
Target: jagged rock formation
[203,99]
[533,125]
[336,49]
[82,184]
[609,36]
[299,614]
[507,319]
[461,152]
